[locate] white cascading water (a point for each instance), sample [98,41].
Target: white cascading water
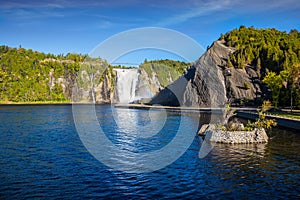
[127,80]
[130,87]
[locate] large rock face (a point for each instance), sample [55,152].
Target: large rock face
[242,85]
[109,86]
[98,87]
[210,83]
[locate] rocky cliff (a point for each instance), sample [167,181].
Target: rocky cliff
[209,82]
[106,85]
[30,76]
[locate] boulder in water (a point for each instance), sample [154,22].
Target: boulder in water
[215,134]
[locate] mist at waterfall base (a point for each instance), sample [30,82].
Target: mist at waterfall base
[130,86]
[42,156]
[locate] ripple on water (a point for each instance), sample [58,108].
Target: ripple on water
[41,156]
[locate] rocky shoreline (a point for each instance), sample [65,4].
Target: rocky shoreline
[213,134]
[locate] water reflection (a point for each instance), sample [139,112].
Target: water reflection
[43,156]
[142,124]
[239,152]
[119,145]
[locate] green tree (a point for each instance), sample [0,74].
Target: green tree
[274,82]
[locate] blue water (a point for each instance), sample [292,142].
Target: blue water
[42,156]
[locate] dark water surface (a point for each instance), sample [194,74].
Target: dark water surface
[42,156]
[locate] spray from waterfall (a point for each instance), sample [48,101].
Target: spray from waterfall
[130,87]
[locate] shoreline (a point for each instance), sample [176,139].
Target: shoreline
[245,112]
[285,122]
[9,103]
[187,109]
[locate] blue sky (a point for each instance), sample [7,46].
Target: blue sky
[62,26]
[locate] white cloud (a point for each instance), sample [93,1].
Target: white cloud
[12,4]
[205,8]
[184,4]
[179,11]
[268,4]
[208,8]
[26,14]
[17,4]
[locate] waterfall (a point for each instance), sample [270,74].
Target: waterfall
[130,87]
[126,84]
[92,88]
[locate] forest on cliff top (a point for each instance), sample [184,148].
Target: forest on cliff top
[24,73]
[276,56]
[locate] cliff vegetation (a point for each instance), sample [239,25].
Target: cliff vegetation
[275,56]
[32,76]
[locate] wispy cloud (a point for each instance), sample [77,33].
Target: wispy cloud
[202,9]
[258,5]
[24,10]
[9,4]
[28,14]
[17,4]
[20,9]
[179,11]
[209,8]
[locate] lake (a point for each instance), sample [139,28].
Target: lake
[43,156]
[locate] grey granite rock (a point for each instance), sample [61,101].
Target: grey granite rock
[213,134]
[210,83]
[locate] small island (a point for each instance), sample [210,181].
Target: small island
[232,131]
